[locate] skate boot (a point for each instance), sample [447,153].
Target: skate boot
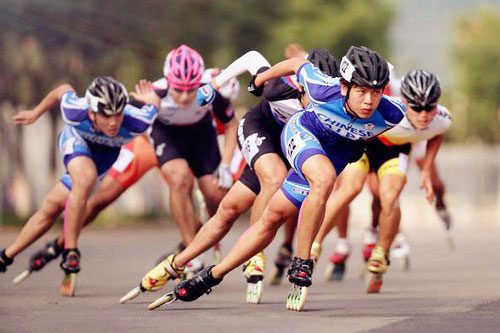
[315,252]
[370,239]
[4,261]
[401,251]
[300,274]
[282,261]
[192,267]
[156,278]
[336,268]
[39,259]
[70,264]
[189,290]
[446,218]
[253,270]
[377,266]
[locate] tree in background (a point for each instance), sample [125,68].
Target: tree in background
[476,55]
[334,25]
[47,42]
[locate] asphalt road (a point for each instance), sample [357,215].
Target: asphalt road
[445,290]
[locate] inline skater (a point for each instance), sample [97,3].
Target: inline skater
[389,157]
[318,142]
[136,158]
[259,135]
[96,126]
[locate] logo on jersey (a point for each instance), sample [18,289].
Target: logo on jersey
[250,146]
[160,149]
[369,126]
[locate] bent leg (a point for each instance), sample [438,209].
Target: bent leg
[259,235]
[41,221]
[180,182]
[271,171]
[83,172]
[390,188]
[351,184]
[237,201]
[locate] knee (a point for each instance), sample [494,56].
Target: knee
[179,181]
[322,182]
[51,209]
[389,200]
[85,182]
[272,182]
[271,220]
[228,211]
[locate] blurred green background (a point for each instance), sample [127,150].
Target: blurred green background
[47,42]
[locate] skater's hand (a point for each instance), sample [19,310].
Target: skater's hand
[145,93]
[25,117]
[426,183]
[205,95]
[224,176]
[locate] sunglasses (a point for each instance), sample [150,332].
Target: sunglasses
[419,108]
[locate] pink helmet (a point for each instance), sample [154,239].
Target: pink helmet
[183,68]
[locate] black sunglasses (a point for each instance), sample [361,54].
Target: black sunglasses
[419,108]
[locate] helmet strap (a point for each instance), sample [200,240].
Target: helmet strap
[346,103]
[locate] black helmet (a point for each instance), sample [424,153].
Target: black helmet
[364,67]
[106,95]
[421,88]
[322,59]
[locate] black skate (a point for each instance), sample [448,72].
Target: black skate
[39,259]
[189,290]
[4,261]
[300,274]
[70,264]
[283,260]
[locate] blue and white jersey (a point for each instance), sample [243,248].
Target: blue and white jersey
[330,116]
[75,112]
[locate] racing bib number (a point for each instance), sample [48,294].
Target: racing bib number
[294,146]
[124,159]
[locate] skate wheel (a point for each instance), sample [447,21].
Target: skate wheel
[451,242]
[296,299]
[406,264]
[165,299]
[374,283]
[254,292]
[21,277]
[131,295]
[68,285]
[276,276]
[329,271]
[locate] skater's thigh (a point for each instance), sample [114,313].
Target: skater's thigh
[279,210]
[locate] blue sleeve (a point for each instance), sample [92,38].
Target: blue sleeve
[74,110]
[138,120]
[319,87]
[392,110]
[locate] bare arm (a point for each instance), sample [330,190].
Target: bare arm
[430,155]
[229,141]
[52,99]
[283,68]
